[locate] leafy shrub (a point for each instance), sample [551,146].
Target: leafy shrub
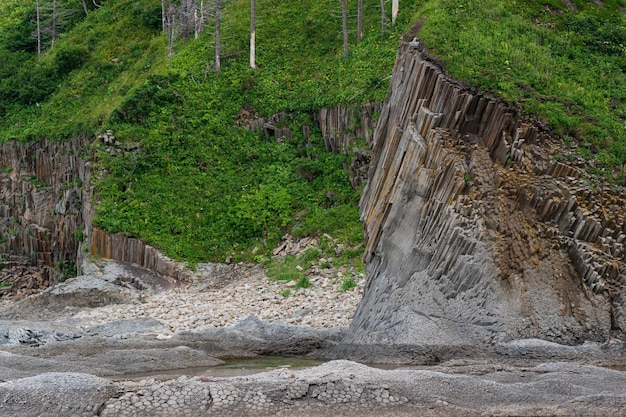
[605,37]
[149,15]
[67,270]
[21,37]
[347,284]
[309,169]
[155,92]
[33,84]
[68,57]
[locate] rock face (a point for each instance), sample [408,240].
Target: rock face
[46,214]
[44,188]
[475,233]
[55,394]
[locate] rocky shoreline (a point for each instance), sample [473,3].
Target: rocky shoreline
[340,388]
[157,324]
[71,350]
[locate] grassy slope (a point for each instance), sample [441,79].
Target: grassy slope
[202,188]
[566,68]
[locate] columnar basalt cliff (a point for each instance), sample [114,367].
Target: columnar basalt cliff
[46,211]
[475,234]
[44,187]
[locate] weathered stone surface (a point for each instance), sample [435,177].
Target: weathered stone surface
[253,336]
[42,195]
[461,388]
[127,328]
[34,333]
[55,394]
[475,235]
[351,389]
[114,356]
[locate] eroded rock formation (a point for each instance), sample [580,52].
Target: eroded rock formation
[46,210]
[44,188]
[475,233]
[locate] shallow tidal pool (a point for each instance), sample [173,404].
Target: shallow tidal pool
[233,367]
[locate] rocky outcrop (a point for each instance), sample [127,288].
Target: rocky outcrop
[46,212]
[130,250]
[42,210]
[475,233]
[340,126]
[339,388]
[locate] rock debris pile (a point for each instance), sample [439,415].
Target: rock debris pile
[205,304]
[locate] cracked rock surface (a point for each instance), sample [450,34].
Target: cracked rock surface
[343,388]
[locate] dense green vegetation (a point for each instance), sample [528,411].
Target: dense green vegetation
[197,185]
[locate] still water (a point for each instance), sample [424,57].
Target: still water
[234,367]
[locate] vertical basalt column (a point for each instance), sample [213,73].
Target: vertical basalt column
[474,233]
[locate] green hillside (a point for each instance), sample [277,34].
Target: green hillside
[561,64]
[195,184]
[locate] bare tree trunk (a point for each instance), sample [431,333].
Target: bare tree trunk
[164,11]
[171,24]
[38,30]
[218,65]
[184,18]
[188,24]
[252,33]
[51,17]
[359,21]
[53,27]
[394,10]
[382,19]
[344,21]
[85,9]
[200,21]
